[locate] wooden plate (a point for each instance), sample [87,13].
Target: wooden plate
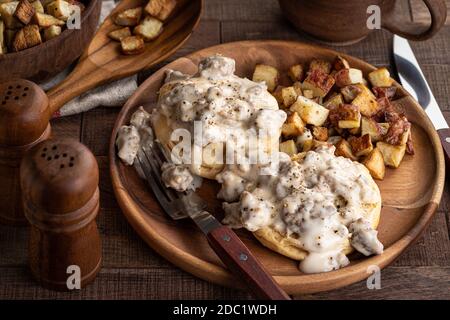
[410,194]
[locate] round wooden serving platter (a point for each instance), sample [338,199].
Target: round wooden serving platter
[410,193]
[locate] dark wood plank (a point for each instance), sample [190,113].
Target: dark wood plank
[238,10]
[67,127]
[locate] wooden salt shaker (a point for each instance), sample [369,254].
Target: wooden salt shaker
[24,122]
[59,180]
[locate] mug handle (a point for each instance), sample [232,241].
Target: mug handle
[438,12]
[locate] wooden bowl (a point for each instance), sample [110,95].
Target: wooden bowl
[51,57]
[410,193]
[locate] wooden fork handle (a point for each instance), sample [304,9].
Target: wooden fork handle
[236,256]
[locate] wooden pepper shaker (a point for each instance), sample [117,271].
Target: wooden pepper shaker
[59,180]
[24,122]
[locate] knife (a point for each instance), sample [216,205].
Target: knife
[413,80]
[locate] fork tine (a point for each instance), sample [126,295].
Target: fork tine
[151,181]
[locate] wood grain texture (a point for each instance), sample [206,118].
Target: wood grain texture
[132,270]
[407,204]
[102,61]
[53,56]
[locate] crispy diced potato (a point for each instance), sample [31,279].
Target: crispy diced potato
[333,140]
[3,48]
[305,140]
[45,20]
[307,93]
[119,34]
[320,133]
[350,92]
[374,162]
[132,45]
[321,65]
[380,78]
[316,144]
[310,111]
[38,7]
[27,37]
[392,155]
[267,74]
[361,146]
[367,103]
[294,126]
[160,9]
[149,29]
[60,9]
[129,17]
[340,63]
[345,77]
[298,88]
[24,11]
[334,101]
[348,116]
[7,11]
[288,96]
[375,130]
[295,72]
[343,149]
[319,82]
[355,131]
[277,95]
[52,32]
[288,147]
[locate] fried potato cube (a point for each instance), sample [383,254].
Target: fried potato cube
[320,133]
[7,11]
[367,103]
[3,48]
[343,149]
[340,63]
[307,93]
[149,29]
[37,5]
[288,147]
[267,74]
[349,116]
[132,45]
[45,20]
[305,140]
[119,34]
[27,37]
[277,95]
[295,72]
[288,96]
[380,78]
[310,111]
[298,88]
[160,9]
[321,65]
[294,126]
[60,9]
[334,101]
[24,11]
[129,17]
[375,130]
[345,77]
[319,82]
[361,146]
[392,155]
[350,92]
[374,162]
[316,144]
[385,92]
[52,32]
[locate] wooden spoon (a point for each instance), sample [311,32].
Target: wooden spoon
[102,61]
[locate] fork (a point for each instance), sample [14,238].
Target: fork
[225,243]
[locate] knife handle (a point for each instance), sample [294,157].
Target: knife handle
[444,135]
[241,262]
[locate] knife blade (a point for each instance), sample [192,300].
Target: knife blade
[413,80]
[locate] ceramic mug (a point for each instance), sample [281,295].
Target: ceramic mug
[346,22]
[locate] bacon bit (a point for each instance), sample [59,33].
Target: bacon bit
[385,92]
[396,130]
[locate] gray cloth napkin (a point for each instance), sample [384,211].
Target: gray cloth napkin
[110,95]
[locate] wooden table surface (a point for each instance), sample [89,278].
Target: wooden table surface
[131,270]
